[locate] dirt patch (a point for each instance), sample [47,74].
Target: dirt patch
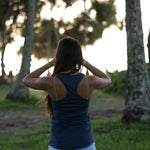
[9,120]
[105,114]
[21,120]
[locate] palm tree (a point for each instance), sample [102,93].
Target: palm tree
[138,87]
[19,90]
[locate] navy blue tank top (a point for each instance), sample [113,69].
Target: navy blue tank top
[71,126]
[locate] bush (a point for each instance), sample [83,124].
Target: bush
[118,85]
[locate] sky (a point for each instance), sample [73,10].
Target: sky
[109,53]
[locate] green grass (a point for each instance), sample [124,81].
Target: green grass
[26,139]
[103,101]
[23,104]
[109,134]
[112,134]
[4,90]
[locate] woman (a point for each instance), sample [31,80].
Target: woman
[70,93]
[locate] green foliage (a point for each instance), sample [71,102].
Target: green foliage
[9,11]
[69,2]
[109,134]
[44,33]
[105,16]
[118,85]
[78,29]
[105,12]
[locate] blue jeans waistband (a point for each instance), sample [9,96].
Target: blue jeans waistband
[91,147]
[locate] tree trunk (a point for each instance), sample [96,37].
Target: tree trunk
[48,48]
[19,90]
[85,34]
[6,37]
[55,31]
[138,87]
[148,45]
[2,77]
[4,43]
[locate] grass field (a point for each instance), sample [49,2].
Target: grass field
[109,133]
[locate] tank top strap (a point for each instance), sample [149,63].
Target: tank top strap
[54,78]
[88,89]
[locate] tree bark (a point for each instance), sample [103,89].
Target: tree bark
[19,90]
[138,85]
[148,45]
[55,31]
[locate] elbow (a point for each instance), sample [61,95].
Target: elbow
[109,81]
[24,81]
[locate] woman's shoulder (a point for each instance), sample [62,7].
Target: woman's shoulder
[97,82]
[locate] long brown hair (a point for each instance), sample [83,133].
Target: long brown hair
[45,101]
[68,57]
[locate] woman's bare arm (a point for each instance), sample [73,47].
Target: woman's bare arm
[100,79]
[33,79]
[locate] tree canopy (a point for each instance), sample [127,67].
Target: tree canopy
[93,26]
[84,27]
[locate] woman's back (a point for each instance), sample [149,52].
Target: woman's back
[71,127]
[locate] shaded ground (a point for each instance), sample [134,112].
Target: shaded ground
[11,120]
